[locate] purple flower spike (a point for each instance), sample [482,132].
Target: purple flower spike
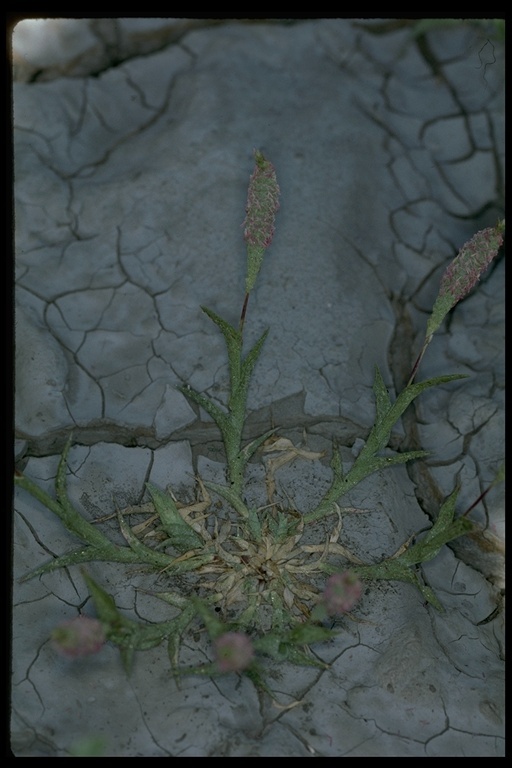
[465,271]
[233,652]
[342,592]
[262,205]
[81,636]
[473,259]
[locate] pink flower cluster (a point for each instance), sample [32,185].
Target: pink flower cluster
[234,652]
[80,636]
[342,592]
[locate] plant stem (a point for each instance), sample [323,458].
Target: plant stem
[243,313]
[414,371]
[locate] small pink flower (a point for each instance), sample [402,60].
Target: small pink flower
[233,652]
[342,592]
[81,636]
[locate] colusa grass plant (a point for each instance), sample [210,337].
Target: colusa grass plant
[270,572]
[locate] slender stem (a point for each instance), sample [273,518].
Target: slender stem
[476,502]
[428,339]
[243,313]
[417,363]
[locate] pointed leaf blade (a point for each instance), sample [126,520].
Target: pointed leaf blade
[181,534]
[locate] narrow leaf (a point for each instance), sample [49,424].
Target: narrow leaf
[181,534]
[110,553]
[179,625]
[427,549]
[230,495]
[382,399]
[231,334]
[254,524]
[381,462]
[211,408]
[305,634]
[238,397]
[103,602]
[395,570]
[233,339]
[253,446]
[214,626]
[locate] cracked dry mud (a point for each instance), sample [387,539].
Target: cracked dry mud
[130,184]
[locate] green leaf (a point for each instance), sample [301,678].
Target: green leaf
[181,534]
[91,746]
[367,462]
[380,434]
[251,448]
[214,626]
[211,408]
[231,334]
[233,339]
[179,625]
[269,644]
[459,527]
[252,357]
[427,549]
[142,553]
[381,462]
[230,495]
[62,507]
[238,397]
[306,634]
[283,646]
[110,553]
[395,570]
[72,519]
[256,677]
[103,602]
[382,399]
[445,516]
[304,658]
[279,526]
[246,618]
[254,524]
[444,530]
[128,635]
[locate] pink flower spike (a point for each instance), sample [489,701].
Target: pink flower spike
[262,205]
[471,262]
[342,592]
[464,272]
[233,652]
[81,636]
